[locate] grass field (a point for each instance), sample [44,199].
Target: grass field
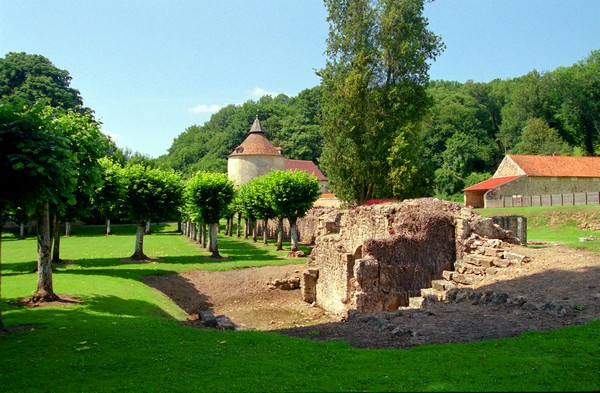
[125,336]
[556,223]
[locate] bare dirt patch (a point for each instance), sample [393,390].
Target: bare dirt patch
[561,286]
[63,300]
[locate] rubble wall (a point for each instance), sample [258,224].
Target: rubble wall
[383,254]
[318,221]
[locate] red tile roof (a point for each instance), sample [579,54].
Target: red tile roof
[328,195]
[558,166]
[491,183]
[306,166]
[257,144]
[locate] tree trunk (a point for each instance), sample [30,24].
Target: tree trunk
[239,222]
[203,234]
[279,234]
[56,238]
[68,231]
[45,291]
[147,232]
[229,226]
[293,233]
[265,223]
[107,226]
[179,226]
[1,225]
[21,231]
[246,227]
[139,255]
[254,229]
[214,245]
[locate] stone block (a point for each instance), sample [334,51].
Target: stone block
[207,317]
[442,285]
[447,275]
[462,279]
[479,260]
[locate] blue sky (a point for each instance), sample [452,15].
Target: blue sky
[150,69]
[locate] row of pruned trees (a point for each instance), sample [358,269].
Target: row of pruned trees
[55,171]
[210,197]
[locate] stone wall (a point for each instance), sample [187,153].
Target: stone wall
[537,185]
[318,221]
[383,254]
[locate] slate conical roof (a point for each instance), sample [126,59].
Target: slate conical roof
[256,143]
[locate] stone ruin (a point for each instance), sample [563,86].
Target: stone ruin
[375,258]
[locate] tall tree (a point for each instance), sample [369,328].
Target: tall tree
[257,196]
[374,82]
[577,93]
[210,195]
[39,165]
[88,145]
[27,77]
[290,194]
[541,139]
[152,195]
[108,197]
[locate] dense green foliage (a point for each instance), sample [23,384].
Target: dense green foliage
[207,200]
[108,197]
[290,123]
[151,195]
[290,194]
[375,90]
[209,194]
[30,78]
[37,163]
[125,335]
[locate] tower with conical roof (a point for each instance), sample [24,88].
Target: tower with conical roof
[256,156]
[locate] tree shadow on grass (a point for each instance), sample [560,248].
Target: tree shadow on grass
[95,304]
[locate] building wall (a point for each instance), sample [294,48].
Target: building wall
[508,168]
[535,185]
[242,168]
[474,199]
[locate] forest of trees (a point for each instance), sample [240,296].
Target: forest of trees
[466,132]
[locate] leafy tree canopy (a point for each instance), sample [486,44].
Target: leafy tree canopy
[152,194]
[375,85]
[209,194]
[27,77]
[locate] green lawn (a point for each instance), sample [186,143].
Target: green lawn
[125,336]
[558,224]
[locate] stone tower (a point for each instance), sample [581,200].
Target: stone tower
[256,156]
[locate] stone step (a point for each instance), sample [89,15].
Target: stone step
[432,293]
[415,302]
[463,279]
[467,268]
[442,285]
[491,251]
[479,260]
